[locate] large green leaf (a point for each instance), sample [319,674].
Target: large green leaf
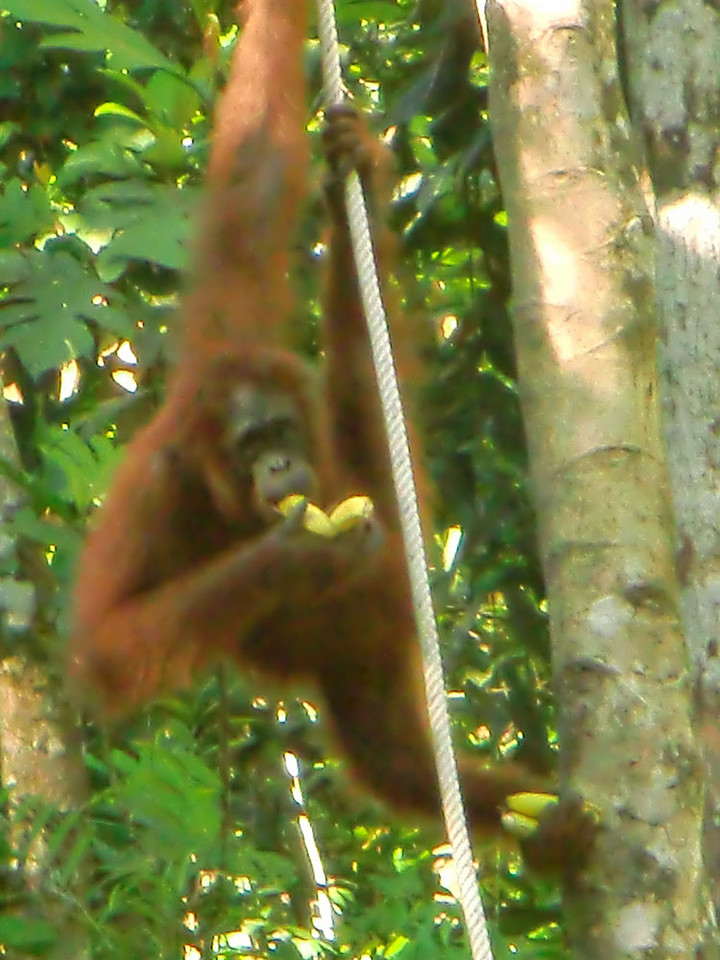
[174,793]
[88,28]
[113,154]
[27,938]
[84,469]
[44,316]
[151,222]
[24,213]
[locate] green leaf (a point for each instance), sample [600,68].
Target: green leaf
[24,213]
[174,793]
[355,11]
[8,129]
[25,523]
[112,155]
[18,934]
[86,467]
[171,100]
[110,109]
[153,224]
[44,316]
[91,30]
[13,267]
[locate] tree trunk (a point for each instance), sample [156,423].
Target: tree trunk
[582,259]
[673,71]
[41,767]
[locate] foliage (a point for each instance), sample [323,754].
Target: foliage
[190,831]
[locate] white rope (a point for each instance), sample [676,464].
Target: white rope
[453,810]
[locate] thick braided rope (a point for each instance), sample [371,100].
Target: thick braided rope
[453,810]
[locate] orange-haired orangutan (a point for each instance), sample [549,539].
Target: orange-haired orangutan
[191,561]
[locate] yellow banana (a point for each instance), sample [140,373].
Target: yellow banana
[530,804]
[351,511]
[519,825]
[288,502]
[314,519]
[345,515]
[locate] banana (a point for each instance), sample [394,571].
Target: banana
[288,502]
[351,511]
[317,521]
[342,518]
[518,825]
[524,811]
[530,804]
[314,519]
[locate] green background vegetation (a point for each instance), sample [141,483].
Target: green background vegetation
[105,120]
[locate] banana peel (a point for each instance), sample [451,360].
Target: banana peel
[518,825]
[530,804]
[523,811]
[347,514]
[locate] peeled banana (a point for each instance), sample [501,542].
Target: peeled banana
[530,804]
[518,825]
[351,511]
[343,517]
[523,812]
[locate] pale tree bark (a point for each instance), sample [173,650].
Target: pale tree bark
[40,764]
[582,249]
[673,72]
